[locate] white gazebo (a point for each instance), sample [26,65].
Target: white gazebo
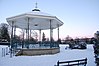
[35,20]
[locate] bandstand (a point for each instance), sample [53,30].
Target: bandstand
[35,20]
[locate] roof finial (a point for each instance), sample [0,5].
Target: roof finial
[36,5]
[36,8]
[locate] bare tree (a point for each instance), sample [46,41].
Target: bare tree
[4,34]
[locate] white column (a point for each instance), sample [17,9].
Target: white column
[50,32]
[51,35]
[40,35]
[12,35]
[14,31]
[14,42]
[58,31]
[28,33]
[11,39]
[23,40]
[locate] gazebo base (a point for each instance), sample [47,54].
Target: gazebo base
[33,52]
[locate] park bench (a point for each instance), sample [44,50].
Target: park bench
[72,63]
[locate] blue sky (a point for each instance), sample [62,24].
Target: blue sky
[80,17]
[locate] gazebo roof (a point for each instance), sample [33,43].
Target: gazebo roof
[37,20]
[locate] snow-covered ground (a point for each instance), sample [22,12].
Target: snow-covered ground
[49,60]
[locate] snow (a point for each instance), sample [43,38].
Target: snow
[49,60]
[39,13]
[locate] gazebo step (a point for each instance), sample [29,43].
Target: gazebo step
[32,52]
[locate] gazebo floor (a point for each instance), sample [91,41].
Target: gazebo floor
[41,51]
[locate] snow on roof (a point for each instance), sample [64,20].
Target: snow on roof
[39,13]
[41,19]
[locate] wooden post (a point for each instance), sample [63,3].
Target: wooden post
[2,52]
[68,63]
[58,63]
[85,62]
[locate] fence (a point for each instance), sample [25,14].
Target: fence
[5,51]
[73,62]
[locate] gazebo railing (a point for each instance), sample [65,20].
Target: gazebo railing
[38,45]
